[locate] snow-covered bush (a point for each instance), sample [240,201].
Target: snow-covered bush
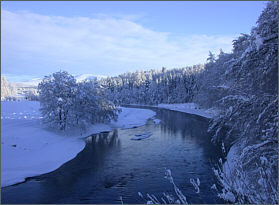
[168,198]
[66,104]
[250,173]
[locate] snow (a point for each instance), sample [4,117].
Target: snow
[258,42]
[248,50]
[29,149]
[232,159]
[235,97]
[191,108]
[141,136]
[133,117]
[221,86]
[196,184]
[85,77]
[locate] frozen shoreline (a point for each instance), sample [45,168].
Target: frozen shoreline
[29,149]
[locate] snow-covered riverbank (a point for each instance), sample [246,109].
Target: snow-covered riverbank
[29,149]
[191,108]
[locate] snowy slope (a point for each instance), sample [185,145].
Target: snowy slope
[83,77]
[28,149]
[25,84]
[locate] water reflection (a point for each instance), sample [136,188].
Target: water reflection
[188,127]
[63,182]
[112,165]
[101,143]
[173,122]
[91,158]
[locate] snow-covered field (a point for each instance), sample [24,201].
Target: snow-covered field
[28,148]
[191,108]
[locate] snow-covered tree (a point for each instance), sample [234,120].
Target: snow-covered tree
[66,104]
[91,106]
[244,85]
[211,57]
[57,93]
[7,89]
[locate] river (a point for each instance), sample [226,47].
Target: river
[113,166]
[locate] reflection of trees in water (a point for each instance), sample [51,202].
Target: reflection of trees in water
[85,176]
[103,142]
[79,170]
[187,125]
[174,122]
[97,147]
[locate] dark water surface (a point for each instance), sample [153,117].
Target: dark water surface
[112,165]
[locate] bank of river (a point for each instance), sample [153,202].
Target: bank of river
[113,165]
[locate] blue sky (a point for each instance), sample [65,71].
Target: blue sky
[109,38]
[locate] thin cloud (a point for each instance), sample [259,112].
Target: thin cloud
[34,44]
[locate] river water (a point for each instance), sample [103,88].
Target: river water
[113,166]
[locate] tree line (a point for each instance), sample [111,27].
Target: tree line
[152,87]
